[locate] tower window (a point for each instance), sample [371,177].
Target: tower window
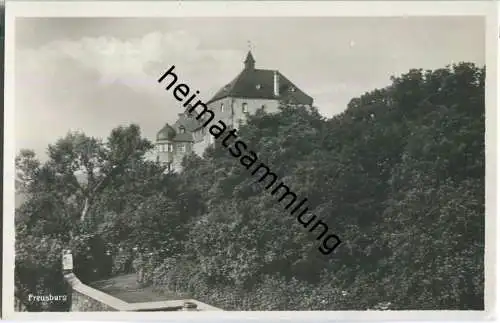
[244,108]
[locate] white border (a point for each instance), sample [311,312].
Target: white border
[252,9]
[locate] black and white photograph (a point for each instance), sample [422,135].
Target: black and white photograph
[215,162]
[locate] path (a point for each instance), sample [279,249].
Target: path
[126,288]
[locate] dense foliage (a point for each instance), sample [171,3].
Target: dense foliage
[399,176]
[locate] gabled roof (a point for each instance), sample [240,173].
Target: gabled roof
[172,133]
[259,84]
[188,122]
[190,125]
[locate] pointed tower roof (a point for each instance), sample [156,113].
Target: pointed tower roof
[249,61]
[255,83]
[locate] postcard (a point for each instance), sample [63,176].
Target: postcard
[265,160]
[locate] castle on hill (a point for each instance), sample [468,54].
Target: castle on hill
[252,89]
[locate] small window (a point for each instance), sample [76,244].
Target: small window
[170,148]
[244,108]
[258,86]
[292,89]
[222,107]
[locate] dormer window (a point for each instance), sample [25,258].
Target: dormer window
[244,108]
[182,129]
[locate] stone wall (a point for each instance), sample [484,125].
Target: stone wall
[84,303]
[87,299]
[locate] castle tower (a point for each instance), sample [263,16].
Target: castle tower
[249,61]
[165,146]
[251,90]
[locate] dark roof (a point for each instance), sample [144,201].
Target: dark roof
[187,136]
[259,84]
[169,133]
[188,122]
[249,61]
[165,133]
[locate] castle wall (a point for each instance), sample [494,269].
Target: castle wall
[233,108]
[164,156]
[271,106]
[175,156]
[232,114]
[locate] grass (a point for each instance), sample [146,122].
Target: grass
[126,288]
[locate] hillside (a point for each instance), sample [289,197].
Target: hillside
[399,177]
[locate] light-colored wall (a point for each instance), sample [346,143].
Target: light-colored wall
[199,147]
[84,303]
[233,108]
[87,299]
[271,106]
[164,156]
[233,111]
[198,135]
[175,157]
[230,115]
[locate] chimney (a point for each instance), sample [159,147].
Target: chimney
[276,84]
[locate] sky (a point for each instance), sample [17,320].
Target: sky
[93,74]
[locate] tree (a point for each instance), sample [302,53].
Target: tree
[69,195]
[399,176]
